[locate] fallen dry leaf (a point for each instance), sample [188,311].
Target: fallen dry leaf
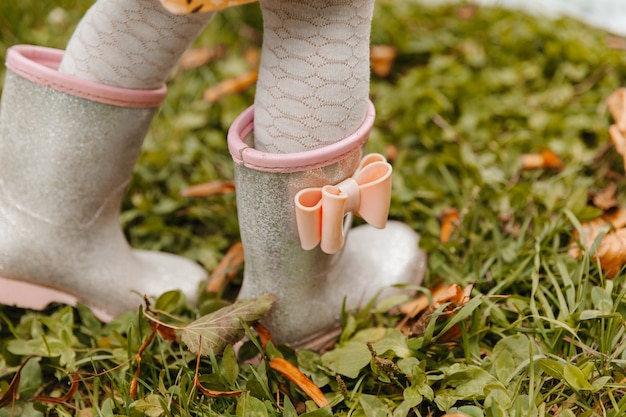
[419,312]
[439,294]
[544,159]
[263,333]
[614,42]
[10,395]
[167,333]
[226,270]
[615,219]
[449,221]
[611,252]
[197,57]
[63,399]
[605,199]
[135,382]
[214,331]
[209,392]
[252,56]
[391,152]
[619,141]
[230,86]
[382,58]
[616,104]
[292,373]
[208,189]
[466,12]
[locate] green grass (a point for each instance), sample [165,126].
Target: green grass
[544,334]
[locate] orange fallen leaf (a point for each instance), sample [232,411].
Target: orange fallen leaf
[616,103]
[226,270]
[263,333]
[252,56]
[606,199]
[192,6]
[135,381]
[10,395]
[63,399]
[197,57]
[440,294]
[466,12]
[209,392]
[391,152]
[208,189]
[611,252]
[382,58]
[614,42]
[230,86]
[166,332]
[544,159]
[619,141]
[449,221]
[419,312]
[292,373]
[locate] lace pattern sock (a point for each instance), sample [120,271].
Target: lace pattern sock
[130,43]
[314,76]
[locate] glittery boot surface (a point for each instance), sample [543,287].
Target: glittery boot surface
[65,162]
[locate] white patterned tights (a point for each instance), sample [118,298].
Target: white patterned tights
[314,75]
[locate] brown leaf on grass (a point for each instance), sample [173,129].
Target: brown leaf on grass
[252,56]
[197,57]
[611,252]
[12,391]
[208,189]
[391,152]
[226,270]
[209,392]
[619,141]
[292,373]
[382,58]
[263,333]
[544,159]
[63,399]
[214,331]
[166,332]
[616,103]
[616,43]
[605,199]
[230,86]
[135,381]
[419,312]
[449,221]
[466,12]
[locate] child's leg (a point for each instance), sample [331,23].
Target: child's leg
[312,95]
[130,43]
[314,77]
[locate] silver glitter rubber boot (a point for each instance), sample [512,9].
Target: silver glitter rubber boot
[310,284]
[67,151]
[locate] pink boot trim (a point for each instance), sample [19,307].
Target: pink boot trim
[244,153]
[39,65]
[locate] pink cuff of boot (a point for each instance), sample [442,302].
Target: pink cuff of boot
[245,154]
[40,65]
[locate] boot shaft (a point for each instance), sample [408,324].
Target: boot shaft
[66,159]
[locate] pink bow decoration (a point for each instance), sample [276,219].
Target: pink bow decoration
[320,211]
